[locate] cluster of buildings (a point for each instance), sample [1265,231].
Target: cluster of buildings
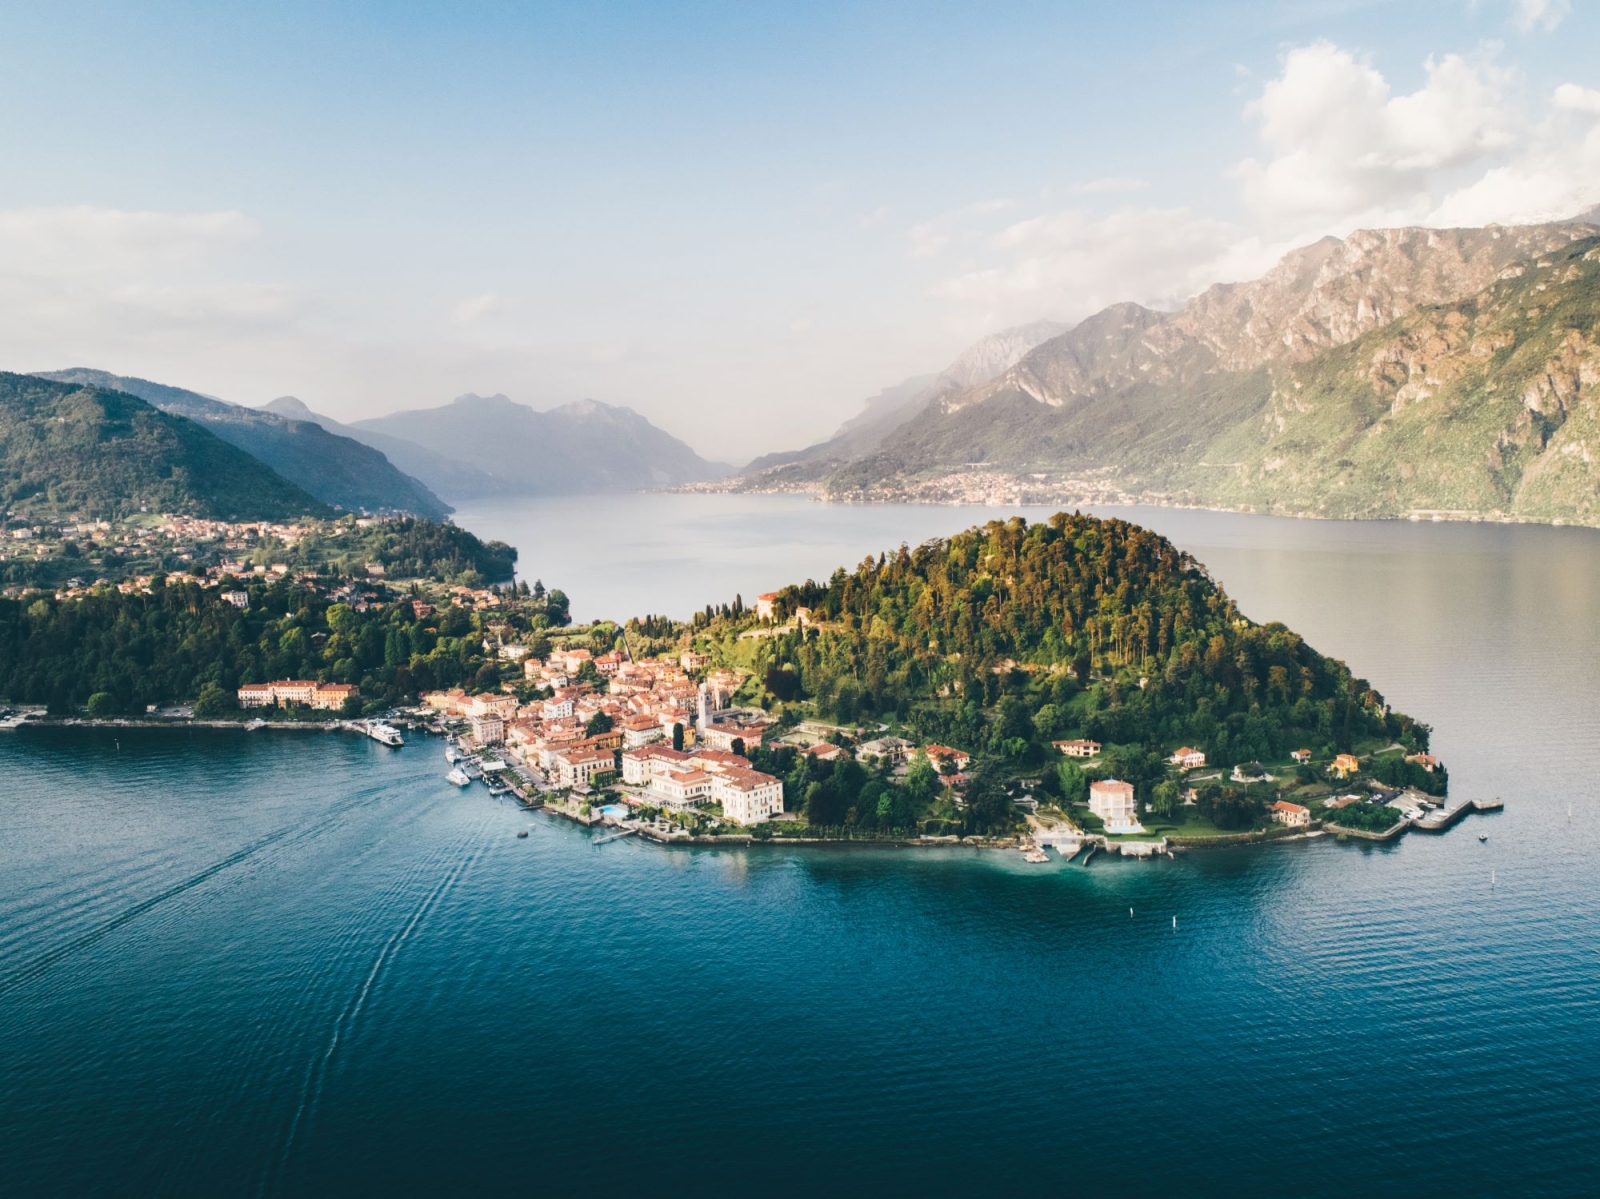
[976,485]
[683,778]
[651,708]
[303,693]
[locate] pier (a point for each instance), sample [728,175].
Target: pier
[1445,818]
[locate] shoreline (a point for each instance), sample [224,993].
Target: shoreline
[1090,843]
[176,722]
[1063,503]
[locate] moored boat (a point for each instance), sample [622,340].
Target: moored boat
[459,777]
[387,734]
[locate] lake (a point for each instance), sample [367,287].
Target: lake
[287,963]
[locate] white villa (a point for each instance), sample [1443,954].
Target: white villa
[747,796]
[1112,801]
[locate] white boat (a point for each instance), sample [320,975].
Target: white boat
[385,733]
[452,754]
[459,778]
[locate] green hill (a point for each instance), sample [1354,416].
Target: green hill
[72,450]
[1004,639]
[1065,617]
[337,470]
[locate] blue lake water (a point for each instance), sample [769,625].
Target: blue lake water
[284,963]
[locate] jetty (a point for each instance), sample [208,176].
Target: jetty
[1440,819]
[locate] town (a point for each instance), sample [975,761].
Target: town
[662,745]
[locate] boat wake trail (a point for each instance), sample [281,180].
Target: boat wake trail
[344,1024]
[40,964]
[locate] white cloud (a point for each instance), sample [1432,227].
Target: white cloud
[1344,150]
[85,240]
[1070,263]
[1571,98]
[1110,185]
[931,237]
[1555,173]
[1529,15]
[1340,150]
[476,308]
[130,290]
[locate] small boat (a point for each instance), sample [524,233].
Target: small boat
[452,754]
[459,777]
[522,833]
[1036,855]
[1483,836]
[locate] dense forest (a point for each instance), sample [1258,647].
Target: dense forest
[79,451]
[118,652]
[1006,637]
[407,548]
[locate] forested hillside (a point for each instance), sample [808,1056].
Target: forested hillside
[336,469]
[1005,637]
[69,450]
[182,640]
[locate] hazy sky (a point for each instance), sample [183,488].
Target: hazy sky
[739,219]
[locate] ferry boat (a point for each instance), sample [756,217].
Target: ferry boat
[459,777]
[385,733]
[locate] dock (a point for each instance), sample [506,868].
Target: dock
[1445,818]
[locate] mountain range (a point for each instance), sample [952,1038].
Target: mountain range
[584,446]
[1392,372]
[474,447]
[76,450]
[892,407]
[1388,373]
[337,470]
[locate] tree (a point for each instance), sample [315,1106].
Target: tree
[558,608]
[824,807]
[922,780]
[102,704]
[213,702]
[1164,798]
[677,737]
[1074,783]
[738,746]
[988,805]
[599,723]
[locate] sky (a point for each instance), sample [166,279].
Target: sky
[737,219]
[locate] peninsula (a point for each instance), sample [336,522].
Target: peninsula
[1071,677]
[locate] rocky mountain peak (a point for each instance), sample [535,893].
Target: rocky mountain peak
[1331,292]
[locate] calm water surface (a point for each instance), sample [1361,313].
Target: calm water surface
[274,963]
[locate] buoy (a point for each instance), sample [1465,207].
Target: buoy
[1174,924]
[1130,913]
